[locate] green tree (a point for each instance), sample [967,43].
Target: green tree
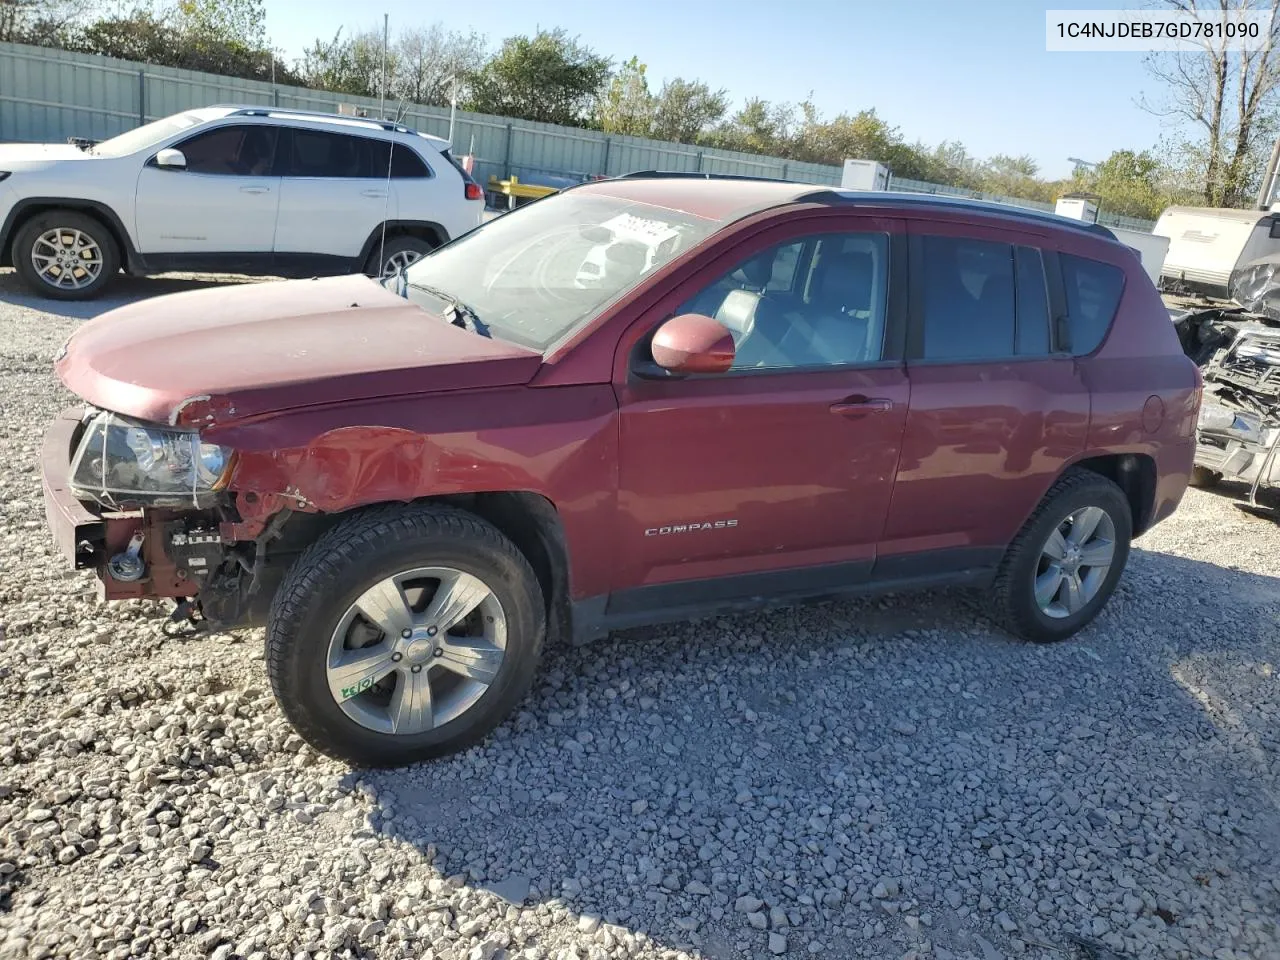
[139,35]
[41,22]
[1013,177]
[685,110]
[863,136]
[758,127]
[948,163]
[1131,184]
[549,77]
[191,36]
[351,65]
[627,105]
[225,23]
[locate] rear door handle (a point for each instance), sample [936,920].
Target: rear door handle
[255,189]
[861,406]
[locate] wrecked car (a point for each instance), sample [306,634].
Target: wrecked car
[770,392]
[1236,345]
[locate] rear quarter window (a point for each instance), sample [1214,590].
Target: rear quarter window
[405,163]
[1093,292]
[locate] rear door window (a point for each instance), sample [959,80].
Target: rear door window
[337,156]
[1093,292]
[968,299]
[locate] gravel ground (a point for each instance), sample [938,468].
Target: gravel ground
[865,779]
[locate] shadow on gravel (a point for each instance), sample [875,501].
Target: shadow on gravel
[1268,497]
[865,779]
[122,291]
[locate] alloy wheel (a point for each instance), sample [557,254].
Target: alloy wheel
[1074,562]
[399,261]
[67,258]
[416,650]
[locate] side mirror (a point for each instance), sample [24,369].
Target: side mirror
[693,343]
[171,159]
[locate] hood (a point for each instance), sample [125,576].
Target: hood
[33,156]
[214,356]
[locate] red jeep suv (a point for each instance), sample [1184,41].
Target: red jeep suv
[641,399]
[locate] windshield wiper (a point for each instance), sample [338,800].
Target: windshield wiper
[458,313]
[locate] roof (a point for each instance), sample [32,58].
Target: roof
[718,199]
[317,116]
[725,198]
[964,204]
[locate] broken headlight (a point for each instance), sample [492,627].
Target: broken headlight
[125,461]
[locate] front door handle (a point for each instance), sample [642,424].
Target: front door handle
[861,406]
[255,189]
[374,194]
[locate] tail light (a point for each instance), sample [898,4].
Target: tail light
[473,191]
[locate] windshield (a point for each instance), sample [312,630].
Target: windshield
[535,275]
[145,136]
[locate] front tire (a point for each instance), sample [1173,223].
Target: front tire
[399,252]
[404,633]
[1064,564]
[65,255]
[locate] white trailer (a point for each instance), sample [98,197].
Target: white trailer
[1207,243]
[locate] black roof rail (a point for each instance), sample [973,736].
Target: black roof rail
[389,125]
[895,199]
[682,175]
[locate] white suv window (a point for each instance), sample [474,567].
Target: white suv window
[242,150]
[320,154]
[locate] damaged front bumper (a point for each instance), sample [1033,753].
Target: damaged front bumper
[124,548]
[78,528]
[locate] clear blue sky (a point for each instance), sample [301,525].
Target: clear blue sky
[969,70]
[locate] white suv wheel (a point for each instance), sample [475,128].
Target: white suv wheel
[65,254]
[399,261]
[67,258]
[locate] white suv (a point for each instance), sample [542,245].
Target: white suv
[230,189]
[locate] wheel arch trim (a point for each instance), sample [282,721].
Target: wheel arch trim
[424,229]
[1134,471]
[28,207]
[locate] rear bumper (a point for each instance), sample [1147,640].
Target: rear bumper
[78,528]
[1237,443]
[1237,459]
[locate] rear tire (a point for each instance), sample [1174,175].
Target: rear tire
[1204,478]
[399,252]
[65,255]
[364,657]
[1041,599]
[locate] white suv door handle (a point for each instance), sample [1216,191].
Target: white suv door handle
[255,189]
[374,194]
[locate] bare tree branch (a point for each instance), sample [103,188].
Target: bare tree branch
[1228,98]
